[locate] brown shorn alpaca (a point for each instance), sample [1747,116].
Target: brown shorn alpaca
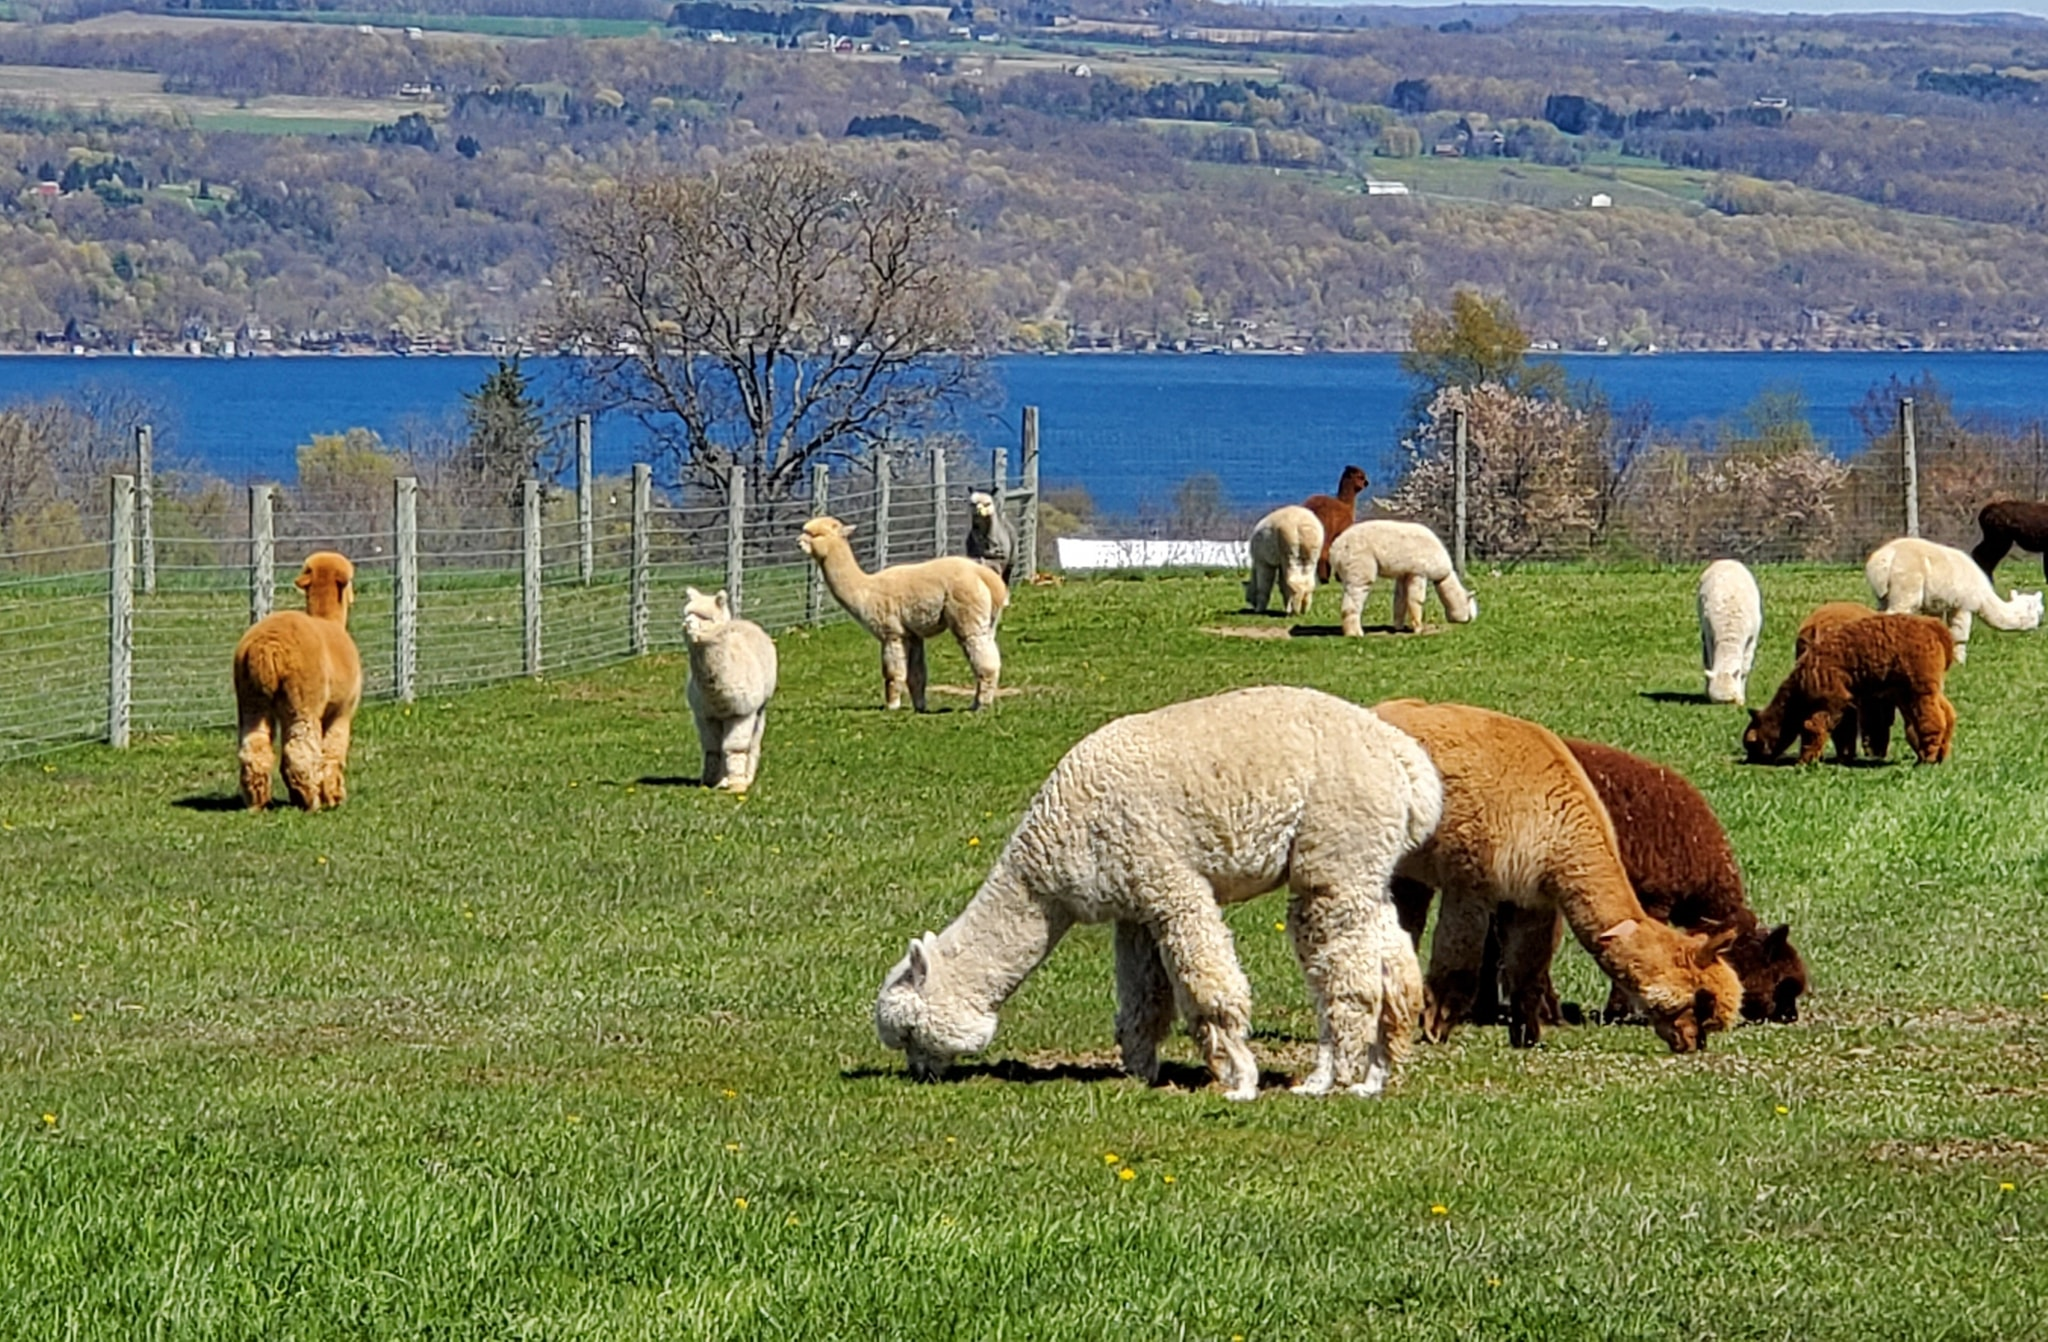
[1336,513]
[2007,523]
[1524,839]
[298,677]
[1878,667]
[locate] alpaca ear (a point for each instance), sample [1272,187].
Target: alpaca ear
[920,966]
[1780,937]
[691,594]
[846,528]
[1625,927]
[1713,947]
[721,601]
[304,580]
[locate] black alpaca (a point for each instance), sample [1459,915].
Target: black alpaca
[2007,523]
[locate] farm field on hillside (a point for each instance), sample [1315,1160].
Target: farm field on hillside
[533,1037]
[139,93]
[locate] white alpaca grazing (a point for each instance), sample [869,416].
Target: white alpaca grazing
[732,678]
[905,604]
[1153,823]
[1731,620]
[1910,576]
[1286,544]
[1413,557]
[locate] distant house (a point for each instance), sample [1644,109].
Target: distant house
[1601,201]
[1375,187]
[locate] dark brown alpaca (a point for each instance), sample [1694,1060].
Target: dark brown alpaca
[1830,615]
[1336,513]
[2007,523]
[1878,667]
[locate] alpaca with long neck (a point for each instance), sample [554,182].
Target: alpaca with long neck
[298,679]
[1336,513]
[905,604]
[1410,554]
[1910,576]
[1156,821]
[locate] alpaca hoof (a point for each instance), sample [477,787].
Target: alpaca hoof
[1374,1086]
[1248,1091]
[1315,1083]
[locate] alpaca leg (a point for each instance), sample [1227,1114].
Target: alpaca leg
[1411,901]
[1959,625]
[753,749]
[1992,549]
[1352,609]
[1409,591]
[895,672]
[913,655]
[737,738]
[1195,944]
[1144,1000]
[710,734]
[986,660]
[257,757]
[1259,590]
[334,743]
[1529,939]
[1455,953]
[1874,725]
[1341,938]
[1845,731]
[1930,722]
[304,761]
[1815,732]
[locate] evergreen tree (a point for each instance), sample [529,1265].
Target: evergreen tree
[507,441]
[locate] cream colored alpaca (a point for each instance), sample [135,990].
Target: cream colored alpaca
[1286,544]
[905,604]
[1154,822]
[298,677]
[1910,576]
[732,678]
[1412,556]
[1731,611]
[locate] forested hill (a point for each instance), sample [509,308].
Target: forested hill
[1130,174]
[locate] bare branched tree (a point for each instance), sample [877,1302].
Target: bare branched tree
[784,309]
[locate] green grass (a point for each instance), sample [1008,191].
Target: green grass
[1641,183]
[260,123]
[527,1041]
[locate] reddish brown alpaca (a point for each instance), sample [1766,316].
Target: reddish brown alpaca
[1882,666]
[1336,513]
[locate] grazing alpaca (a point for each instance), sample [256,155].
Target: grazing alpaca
[1878,667]
[1915,577]
[1154,822]
[732,678]
[1731,620]
[990,540]
[1524,838]
[905,604]
[298,678]
[1336,514]
[1411,555]
[1284,545]
[2007,523]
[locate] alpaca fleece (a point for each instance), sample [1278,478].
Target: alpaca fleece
[990,539]
[2007,523]
[1524,838]
[1910,576]
[905,604]
[732,678]
[1878,667]
[1412,556]
[1285,543]
[298,679]
[1829,615]
[1154,822]
[1336,514]
[1731,611]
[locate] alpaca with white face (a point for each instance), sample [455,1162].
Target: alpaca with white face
[732,678]
[1910,576]
[1731,610]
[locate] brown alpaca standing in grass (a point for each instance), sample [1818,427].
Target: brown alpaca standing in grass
[1876,667]
[298,678]
[1336,513]
[1524,838]
[2007,523]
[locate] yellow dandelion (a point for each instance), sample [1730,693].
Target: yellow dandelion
[77,1016]
[1493,1281]
[974,841]
[2005,1188]
[50,1120]
[950,1141]
[631,789]
[1237,1337]
[1127,1174]
[49,768]
[575,1118]
[988,815]
[1783,1110]
[740,1203]
[1438,1209]
[1279,927]
[732,1146]
[1165,1178]
[469,913]
[321,860]
[574,783]
[730,1094]
[790,1219]
[1110,1157]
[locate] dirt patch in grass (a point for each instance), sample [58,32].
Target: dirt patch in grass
[967,691]
[1962,1151]
[1247,631]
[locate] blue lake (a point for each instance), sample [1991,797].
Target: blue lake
[1128,427]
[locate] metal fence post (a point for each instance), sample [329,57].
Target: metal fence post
[1027,528]
[120,609]
[939,545]
[405,595]
[735,538]
[1460,473]
[814,581]
[643,547]
[529,554]
[1909,457]
[999,479]
[881,509]
[587,556]
[145,501]
[262,552]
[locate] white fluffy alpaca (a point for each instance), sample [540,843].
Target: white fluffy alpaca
[1910,576]
[1412,556]
[1286,544]
[1156,820]
[1731,620]
[732,678]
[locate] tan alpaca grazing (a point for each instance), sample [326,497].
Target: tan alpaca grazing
[1524,838]
[298,678]
[905,604]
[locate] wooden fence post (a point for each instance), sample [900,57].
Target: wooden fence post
[529,553]
[1027,525]
[814,581]
[1909,460]
[939,538]
[120,610]
[587,554]
[881,509]
[1460,474]
[145,501]
[643,548]
[735,537]
[262,552]
[405,595]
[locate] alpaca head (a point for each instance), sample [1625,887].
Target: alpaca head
[918,1017]
[821,535]
[2030,608]
[1724,687]
[1677,979]
[703,615]
[1765,738]
[329,582]
[1773,974]
[984,504]
[1351,483]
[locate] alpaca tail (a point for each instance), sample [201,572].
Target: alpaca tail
[264,665]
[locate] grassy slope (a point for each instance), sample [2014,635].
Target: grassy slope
[527,1041]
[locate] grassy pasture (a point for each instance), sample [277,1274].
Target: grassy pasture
[532,1039]
[139,93]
